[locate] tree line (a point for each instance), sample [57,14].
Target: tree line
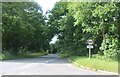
[77,22]
[26,29]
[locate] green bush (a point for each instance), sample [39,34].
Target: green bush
[110,47]
[100,57]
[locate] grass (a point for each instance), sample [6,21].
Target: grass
[32,55]
[8,56]
[94,63]
[0,56]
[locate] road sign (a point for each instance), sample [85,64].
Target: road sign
[89,46]
[90,41]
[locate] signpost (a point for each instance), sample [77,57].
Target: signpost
[90,43]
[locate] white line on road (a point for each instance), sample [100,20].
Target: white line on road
[50,61]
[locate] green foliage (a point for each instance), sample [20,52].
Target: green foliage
[53,49]
[100,57]
[64,55]
[31,55]
[77,22]
[7,56]
[111,48]
[24,28]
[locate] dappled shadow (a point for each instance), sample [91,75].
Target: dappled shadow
[48,59]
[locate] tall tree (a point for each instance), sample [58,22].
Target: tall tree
[24,27]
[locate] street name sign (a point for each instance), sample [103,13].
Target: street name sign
[89,46]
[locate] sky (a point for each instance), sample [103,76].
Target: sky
[48,5]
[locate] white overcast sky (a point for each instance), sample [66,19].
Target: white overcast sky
[48,5]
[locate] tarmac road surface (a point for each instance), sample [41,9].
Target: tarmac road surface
[50,64]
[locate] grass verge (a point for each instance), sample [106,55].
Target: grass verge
[8,56]
[94,63]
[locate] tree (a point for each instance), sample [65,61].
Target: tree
[99,19]
[24,28]
[76,22]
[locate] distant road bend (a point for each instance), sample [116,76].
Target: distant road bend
[46,65]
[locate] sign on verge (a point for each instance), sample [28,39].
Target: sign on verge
[89,46]
[90,41]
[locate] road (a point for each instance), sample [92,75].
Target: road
[46,65]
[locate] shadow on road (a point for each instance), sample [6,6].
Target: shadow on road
[48,59]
